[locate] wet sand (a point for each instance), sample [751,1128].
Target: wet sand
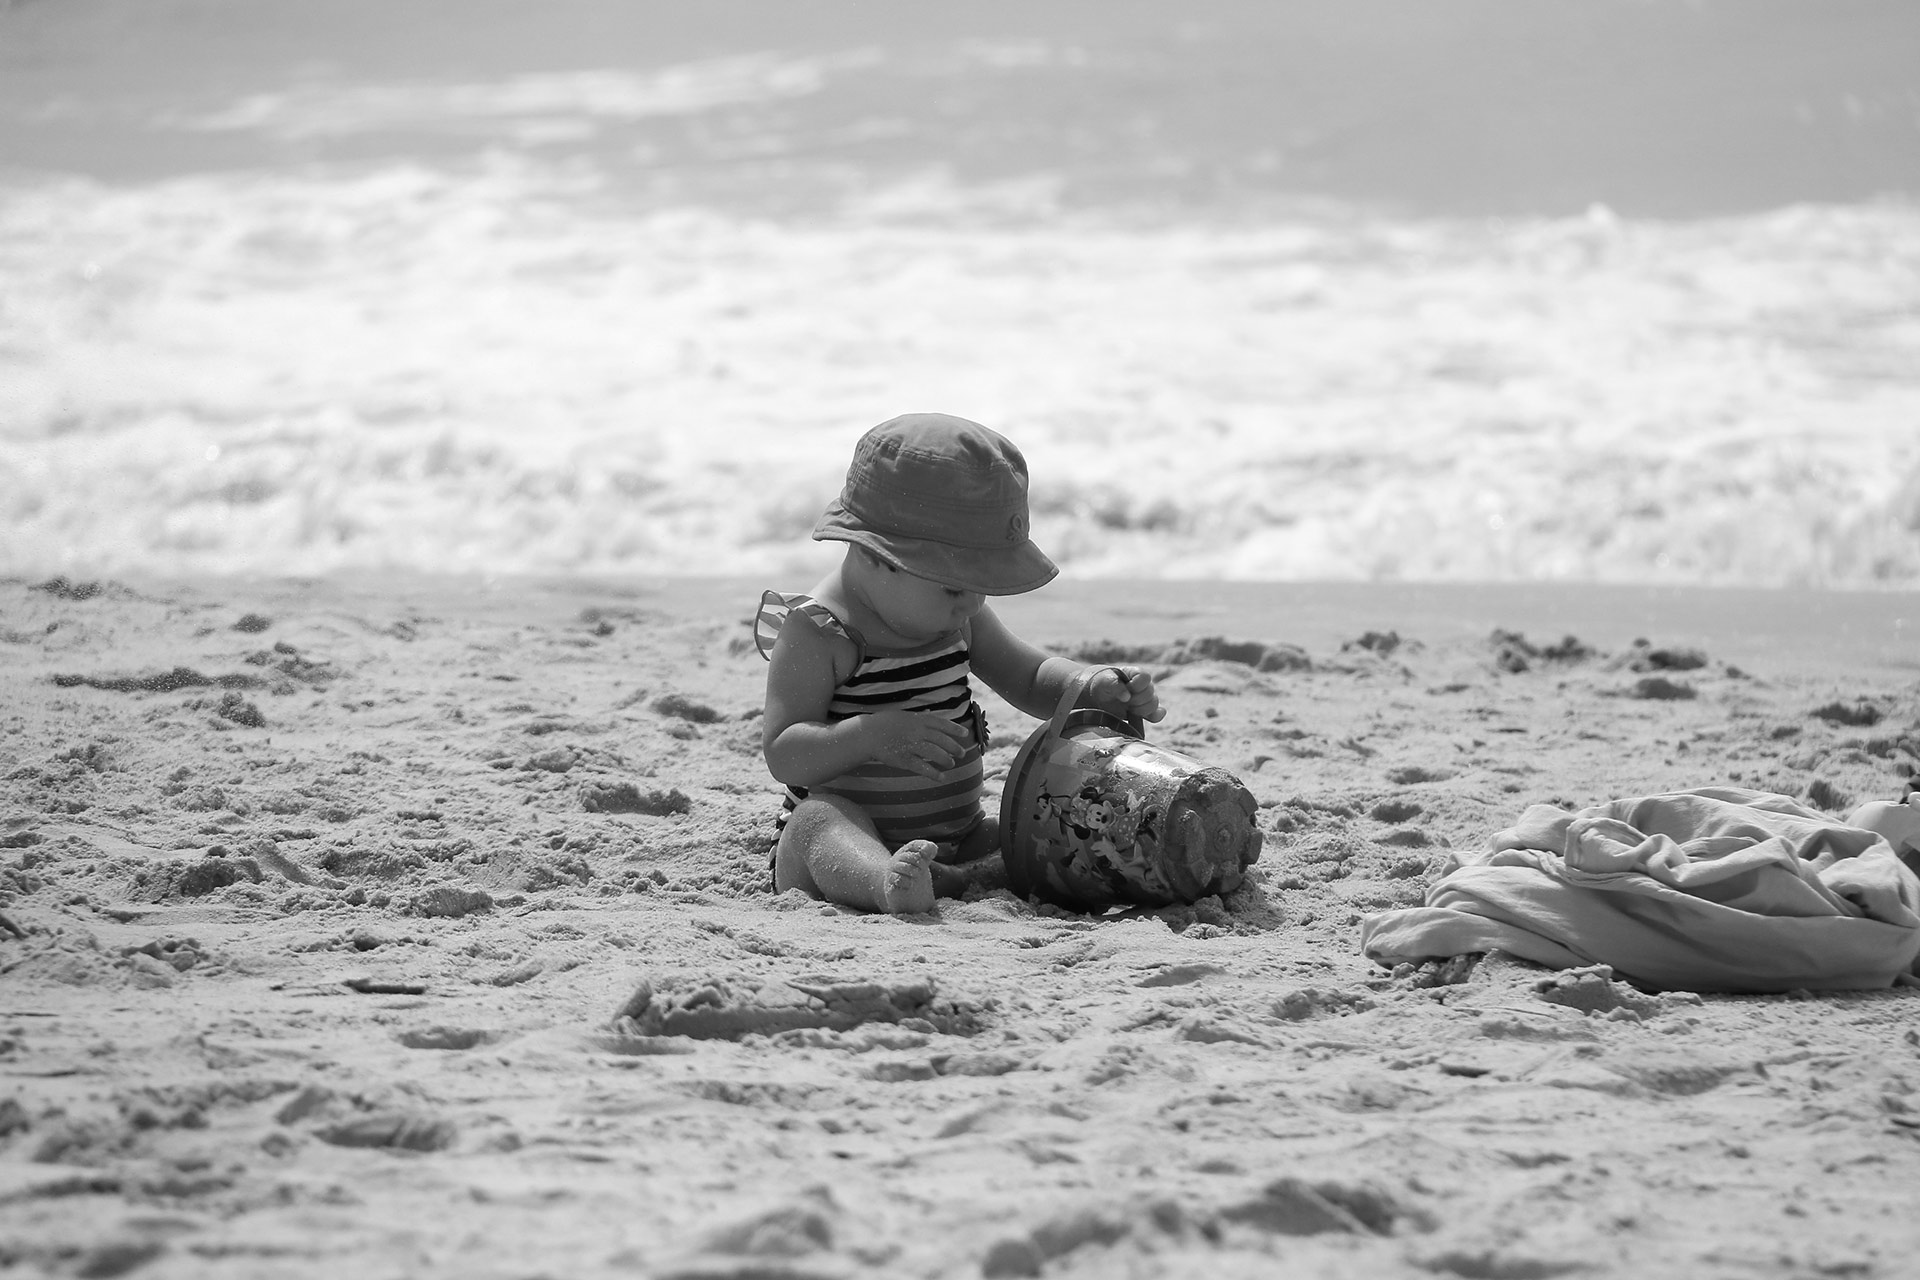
[321,903]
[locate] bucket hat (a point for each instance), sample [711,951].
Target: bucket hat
[944,499]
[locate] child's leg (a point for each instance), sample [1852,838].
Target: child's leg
[984,839]
[974,862]
[831,850]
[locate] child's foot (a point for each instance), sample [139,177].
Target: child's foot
[907,888]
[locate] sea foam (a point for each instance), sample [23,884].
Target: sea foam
[509,360]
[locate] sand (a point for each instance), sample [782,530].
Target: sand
[322,904]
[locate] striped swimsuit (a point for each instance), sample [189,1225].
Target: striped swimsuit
[932,678]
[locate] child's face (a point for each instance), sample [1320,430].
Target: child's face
[916,608]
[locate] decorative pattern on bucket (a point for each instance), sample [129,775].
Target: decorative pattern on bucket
[1094,816]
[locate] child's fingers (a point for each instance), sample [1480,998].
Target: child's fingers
[937,756]
[1135,692]
[950,728]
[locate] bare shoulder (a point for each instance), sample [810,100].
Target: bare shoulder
[813,638]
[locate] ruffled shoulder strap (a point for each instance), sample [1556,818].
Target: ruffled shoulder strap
[776,605]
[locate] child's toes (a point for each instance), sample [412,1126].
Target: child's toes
[908,889]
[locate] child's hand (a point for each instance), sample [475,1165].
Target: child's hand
[921,742]
[1125,691]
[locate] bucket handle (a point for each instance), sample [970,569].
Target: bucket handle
[1070,698]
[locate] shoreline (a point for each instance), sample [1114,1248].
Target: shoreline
[1802,628]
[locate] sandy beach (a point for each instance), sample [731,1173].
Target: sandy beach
[322,901]
[1459,408]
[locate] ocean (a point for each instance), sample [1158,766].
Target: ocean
[1376,290]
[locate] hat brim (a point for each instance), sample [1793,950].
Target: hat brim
[999,571]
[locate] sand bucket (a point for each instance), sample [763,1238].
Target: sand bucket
[1095,816]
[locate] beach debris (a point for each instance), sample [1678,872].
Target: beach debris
[290,662]
[1257,654]
[1514,653]
[67,589]
[1643,656]
[159,682]
[685,708]
[238,710]
[1859,714]
[1377,642]
[1260,655]
[253,623]
[1450,972]
[626,797]
[1824,795]
[1408,775]
[719,1009]
[1661,689]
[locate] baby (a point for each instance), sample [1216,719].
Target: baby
[870,718]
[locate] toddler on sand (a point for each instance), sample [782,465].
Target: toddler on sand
[870,719]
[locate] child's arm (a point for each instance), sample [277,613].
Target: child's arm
[1033,680]
[804,748]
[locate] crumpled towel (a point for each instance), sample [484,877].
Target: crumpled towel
[1713,889]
